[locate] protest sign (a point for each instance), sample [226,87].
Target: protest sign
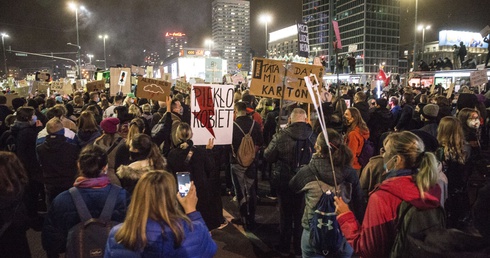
[152,89]
[96,85]
[479,77]
[40,87]
[268,75]
[79,85]
[303,42]
[9,98]
[212,113]
[182,87]
[450,91]
[23,91]
[237,78]
[23,83]
[137,70]
[149,71]
[485,31]
[116,73]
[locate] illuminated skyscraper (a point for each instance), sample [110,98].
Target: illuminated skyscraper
[372,28]
[231,32]
[174,42]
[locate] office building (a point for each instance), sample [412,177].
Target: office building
[283,43]
[174,42]
[368,29]
[231,32]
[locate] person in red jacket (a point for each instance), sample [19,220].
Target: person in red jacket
[412,177]
[357,133]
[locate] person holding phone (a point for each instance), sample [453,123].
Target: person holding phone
[199,162]
[169,232]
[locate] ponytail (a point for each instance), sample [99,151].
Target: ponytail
[156,160]
[427,175]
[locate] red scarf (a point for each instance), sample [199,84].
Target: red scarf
[96,182]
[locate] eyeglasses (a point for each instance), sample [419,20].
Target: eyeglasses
[373,103]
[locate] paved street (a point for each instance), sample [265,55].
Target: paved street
[233,240]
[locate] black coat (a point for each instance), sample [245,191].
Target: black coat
[363,108]
[380,122]
[58,160]
[26,136]
[205,177]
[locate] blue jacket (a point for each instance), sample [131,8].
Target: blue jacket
[197,241]
[63,215]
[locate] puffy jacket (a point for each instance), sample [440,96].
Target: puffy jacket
[25,136]
[58,160]
[280,149]
[63,215]
[355,141]
[197,241]
[375,237]
[381,121]
[305,181]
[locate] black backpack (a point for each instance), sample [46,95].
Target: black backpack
[412,221]
[303,150]
[88,238]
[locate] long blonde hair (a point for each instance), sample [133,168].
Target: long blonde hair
[136,126]
[451,137]
[153,198]
[184,133]
[412,149]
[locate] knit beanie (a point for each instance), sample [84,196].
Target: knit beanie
[109,125]
[467,100]
[430,111]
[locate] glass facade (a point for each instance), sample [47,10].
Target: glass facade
[371,27]
[231,32]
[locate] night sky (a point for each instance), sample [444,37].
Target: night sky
[135,25]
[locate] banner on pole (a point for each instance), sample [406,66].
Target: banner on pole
[268,75]
[152,89]
[303,42]
[212,113]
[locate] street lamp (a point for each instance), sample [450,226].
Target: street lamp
[209,43]
[266,18]
[90,58]
[4,35]
[105,58]
[423,28]
[75,7]
[415,33]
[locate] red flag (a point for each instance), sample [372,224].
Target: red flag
[382,76]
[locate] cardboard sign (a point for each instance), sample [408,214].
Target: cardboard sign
[23,83]
[432,88]
[268,75]
[479,77]
[96,85]
[237,78]
[79,85]
[212,113]
[10,97]
[167,77]
[183,87]
[23,91]
[40,87]
[149,72]
[153,89]
[137,70]
[116,73]
[450,91]
[485,31]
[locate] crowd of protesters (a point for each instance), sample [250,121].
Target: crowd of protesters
[430,150]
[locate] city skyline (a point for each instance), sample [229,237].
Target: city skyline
[134,26]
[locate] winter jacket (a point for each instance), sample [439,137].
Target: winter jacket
[372,175]
[381,121]
[203,172]
[70,136]
[363,108]
[197,241]
[25,136]
[58,160]
[376,235]
[87,137]
[281,150]
[305,181]
[4,112]
[129,176]
[405,118]
[430,128]
[355,141]
[63,215]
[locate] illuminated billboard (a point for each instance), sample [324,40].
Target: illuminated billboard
[470,39]
[174,34]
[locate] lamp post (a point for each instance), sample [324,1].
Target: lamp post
[90,58]
[415,33]
[4,35]
[105,58]
[423,28]
[75,7]
[209,43]
[266,18]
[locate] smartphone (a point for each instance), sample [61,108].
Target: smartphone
[184,182]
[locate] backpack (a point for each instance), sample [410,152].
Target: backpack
[245,154]
[366,153]
[412,221]
[303,150]
[325,234]
[10,142]
[88,238]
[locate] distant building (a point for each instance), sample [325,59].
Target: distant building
[152,58]
[174,42]
[283,42]
[370,30]
[231,32]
